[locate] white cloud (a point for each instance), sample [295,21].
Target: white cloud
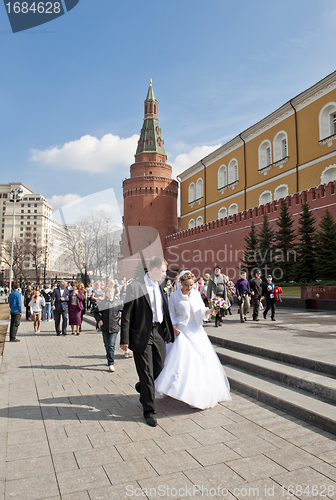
[57,201]
[89,154]
[186,160]
[71,211]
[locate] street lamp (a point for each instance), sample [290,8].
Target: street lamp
[16,196]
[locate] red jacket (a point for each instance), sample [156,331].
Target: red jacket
[277,291]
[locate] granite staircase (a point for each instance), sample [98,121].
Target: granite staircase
[299,386]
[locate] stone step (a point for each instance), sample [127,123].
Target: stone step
[293,401]
[319,384]
[284,357]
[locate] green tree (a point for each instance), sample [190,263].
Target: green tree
[266,237]
[285,254]
[326,248]
[251,255]
[306,248]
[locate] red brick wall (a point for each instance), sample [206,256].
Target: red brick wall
[222,241]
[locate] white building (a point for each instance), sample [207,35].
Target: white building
[33,221]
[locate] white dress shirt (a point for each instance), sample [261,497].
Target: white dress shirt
[155,297]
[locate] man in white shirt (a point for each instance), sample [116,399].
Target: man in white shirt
[145,327]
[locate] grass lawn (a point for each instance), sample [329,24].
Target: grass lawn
[291,291]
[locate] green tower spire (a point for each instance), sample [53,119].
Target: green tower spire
[150,136]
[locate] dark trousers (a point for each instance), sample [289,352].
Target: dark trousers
[58,315]
[27,312]
[15,323]
[270,304]
[256,303]
[149,365]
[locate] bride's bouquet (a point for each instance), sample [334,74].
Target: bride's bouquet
[217,303]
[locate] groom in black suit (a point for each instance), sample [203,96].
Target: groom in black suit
[145,327]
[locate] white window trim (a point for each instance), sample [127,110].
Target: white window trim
[222,208]
[268,142]
[279,187]
[191,220]
[233,163]
[274,147]
[189,189]
[225,177]
[330,167]
[265,192]
[321,133]
[200,219]
[199,182]
[232,205]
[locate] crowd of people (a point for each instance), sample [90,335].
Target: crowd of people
[161,323]
[250,294]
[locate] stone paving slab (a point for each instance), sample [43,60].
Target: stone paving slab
[71,430]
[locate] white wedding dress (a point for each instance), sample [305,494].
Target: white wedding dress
[192,371]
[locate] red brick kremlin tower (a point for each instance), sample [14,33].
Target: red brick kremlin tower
[150,194]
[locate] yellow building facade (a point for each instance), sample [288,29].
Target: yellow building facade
[288,151]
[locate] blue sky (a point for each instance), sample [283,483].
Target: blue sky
[72,90]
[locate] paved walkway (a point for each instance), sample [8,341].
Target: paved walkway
[301,333]
[71,430]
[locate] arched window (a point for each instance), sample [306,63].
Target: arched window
[265,197]
[281,192]
[265,154]
[328,174]
[233,171]
[222,213]
[327,120]
[199,221]
[191,192]
[233,209]
[280,146]
[191,223]
[199,189]
[222,176]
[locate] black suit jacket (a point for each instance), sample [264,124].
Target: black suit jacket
[60,305]
[137,317]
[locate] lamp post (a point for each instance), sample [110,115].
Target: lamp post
[16,196]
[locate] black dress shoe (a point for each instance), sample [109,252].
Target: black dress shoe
[137,387]
[151,420]
[63,333]
[273,319]
[14,340]
[58,334]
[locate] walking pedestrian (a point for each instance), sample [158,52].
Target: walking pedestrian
[15,304]
[36,305]
[256,293]
[27,298]
[59,304]
[89,289]
[145,328]
[75,307]
[46,294]
[268,293]
[243,293]
[217,288]
[84,302]
[107,313]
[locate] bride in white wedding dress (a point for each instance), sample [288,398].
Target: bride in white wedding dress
[192,371]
